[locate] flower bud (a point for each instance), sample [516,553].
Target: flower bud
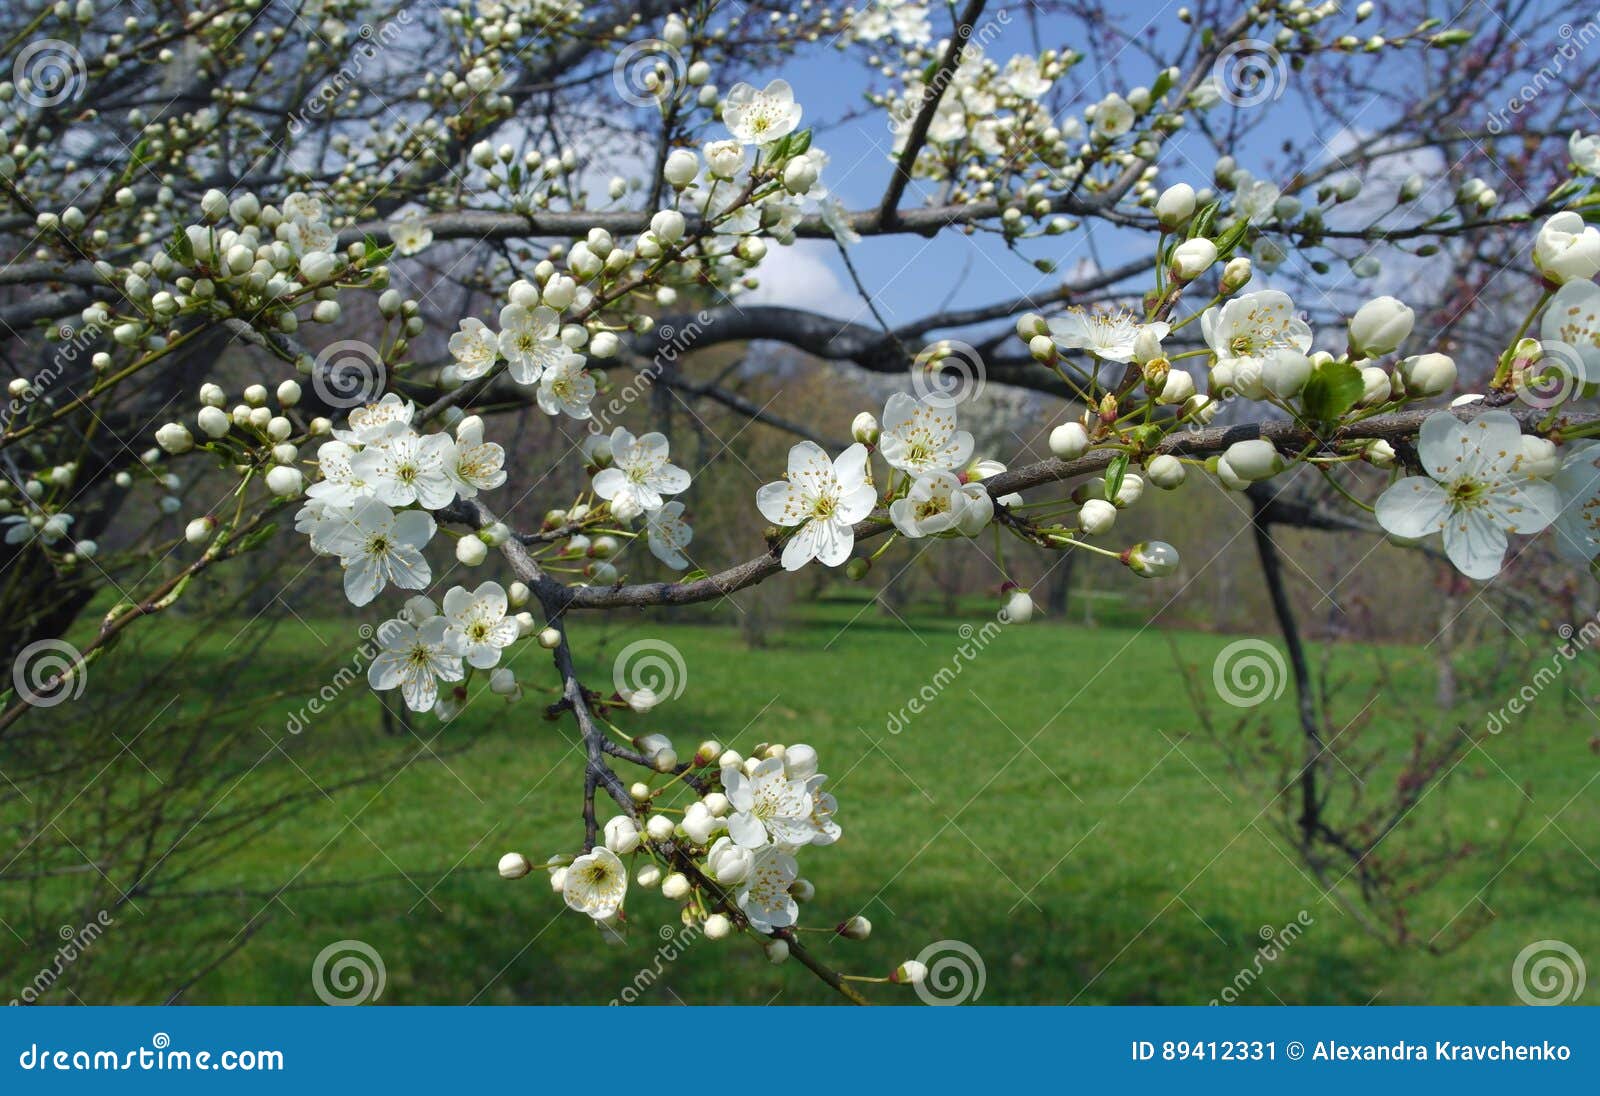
[660,827]
[471,551]
[675,886]
[1166,471]
[1375,386]
[1017,607]
[681,167]
[1069,441]
[622,835]
[777,951]
[1192,258]
[214,421]
[550,638]
[175,438]
[1428,374]
[855,928]
[1236,275]
[717,926]
[1539,458]
[1175,206]
[1097,516]
[1379,326]
[909,973]
[285,482]
[1256,459]
[864,428]
[1151,559]
[513,865]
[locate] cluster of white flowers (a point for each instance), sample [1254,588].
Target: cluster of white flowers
[633,476]
[732,852]
[379,479]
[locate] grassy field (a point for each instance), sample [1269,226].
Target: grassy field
[1053,808]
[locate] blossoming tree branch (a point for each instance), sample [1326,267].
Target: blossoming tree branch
[185,178]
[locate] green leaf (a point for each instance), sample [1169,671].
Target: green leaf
[1115,471]
[1334,388]
[801,143]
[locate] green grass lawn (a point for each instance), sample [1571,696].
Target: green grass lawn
[1047,809]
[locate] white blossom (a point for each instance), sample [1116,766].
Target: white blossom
[1474,491]
[416,659]
[376,546]
[477,623]
[920,436]
[824,498]
[640,474]
[761,117]
[667,535]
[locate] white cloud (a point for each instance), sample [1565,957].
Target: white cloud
[799,276]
